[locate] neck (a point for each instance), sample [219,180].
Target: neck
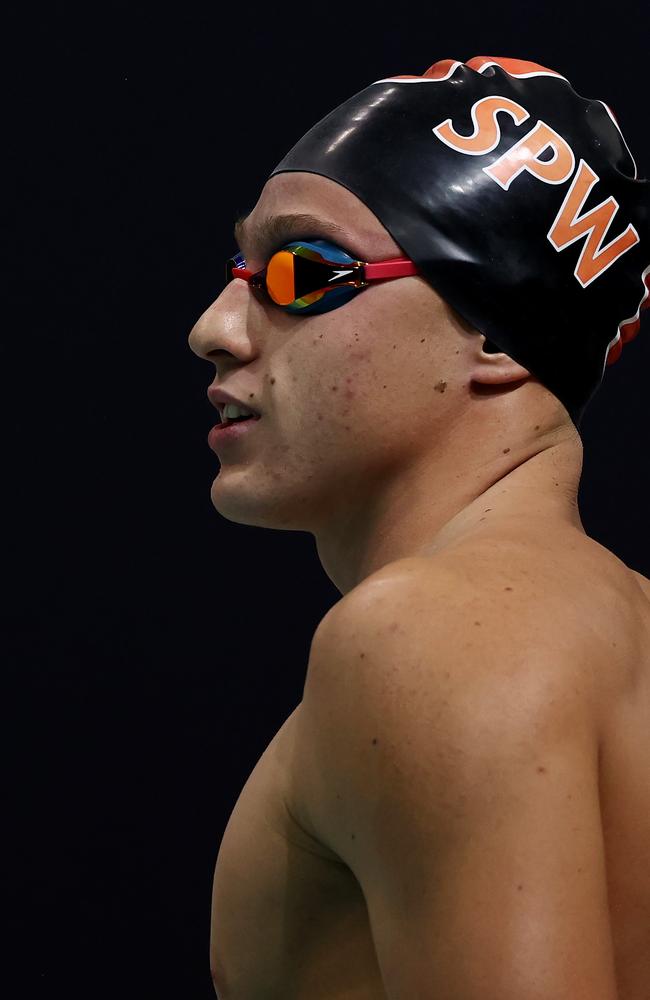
[428,509]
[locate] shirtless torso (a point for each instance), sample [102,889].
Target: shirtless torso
[289,921]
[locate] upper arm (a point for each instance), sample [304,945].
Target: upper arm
[455,771]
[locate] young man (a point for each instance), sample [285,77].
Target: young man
[460,804]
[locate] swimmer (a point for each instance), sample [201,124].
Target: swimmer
[423,300]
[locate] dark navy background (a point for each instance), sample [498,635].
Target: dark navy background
[151,648]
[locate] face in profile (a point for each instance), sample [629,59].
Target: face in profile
[353,401]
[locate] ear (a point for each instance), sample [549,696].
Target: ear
[490,366]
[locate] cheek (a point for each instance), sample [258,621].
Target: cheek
[352,383]
[348,364]
[333,363]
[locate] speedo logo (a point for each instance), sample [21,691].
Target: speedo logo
[568,225]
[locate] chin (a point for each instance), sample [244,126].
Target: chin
[251,508]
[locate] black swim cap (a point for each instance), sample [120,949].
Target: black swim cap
[517,198]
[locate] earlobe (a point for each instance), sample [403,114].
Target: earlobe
[492,366]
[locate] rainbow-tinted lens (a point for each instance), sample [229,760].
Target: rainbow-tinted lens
[305,277]
[301,274]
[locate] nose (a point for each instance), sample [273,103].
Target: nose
[222,328]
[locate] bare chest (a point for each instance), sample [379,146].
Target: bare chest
[289,918]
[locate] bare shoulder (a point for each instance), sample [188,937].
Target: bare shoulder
[450,715]
[473,639]
[574,597]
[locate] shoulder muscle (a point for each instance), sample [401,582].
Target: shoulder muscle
[453,766]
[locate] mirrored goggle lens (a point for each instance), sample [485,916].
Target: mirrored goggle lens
[281,277]
[300,275]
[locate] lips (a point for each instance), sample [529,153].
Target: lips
[226,421]
[221,436]
[219,397]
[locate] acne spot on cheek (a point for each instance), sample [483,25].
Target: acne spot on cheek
[349,393]
[440,386]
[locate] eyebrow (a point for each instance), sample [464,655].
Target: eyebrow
[278,228]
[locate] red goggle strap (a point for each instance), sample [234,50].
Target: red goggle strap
[399,267]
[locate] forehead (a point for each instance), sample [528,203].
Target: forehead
[310,204]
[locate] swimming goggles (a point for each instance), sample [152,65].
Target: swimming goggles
[315,276]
